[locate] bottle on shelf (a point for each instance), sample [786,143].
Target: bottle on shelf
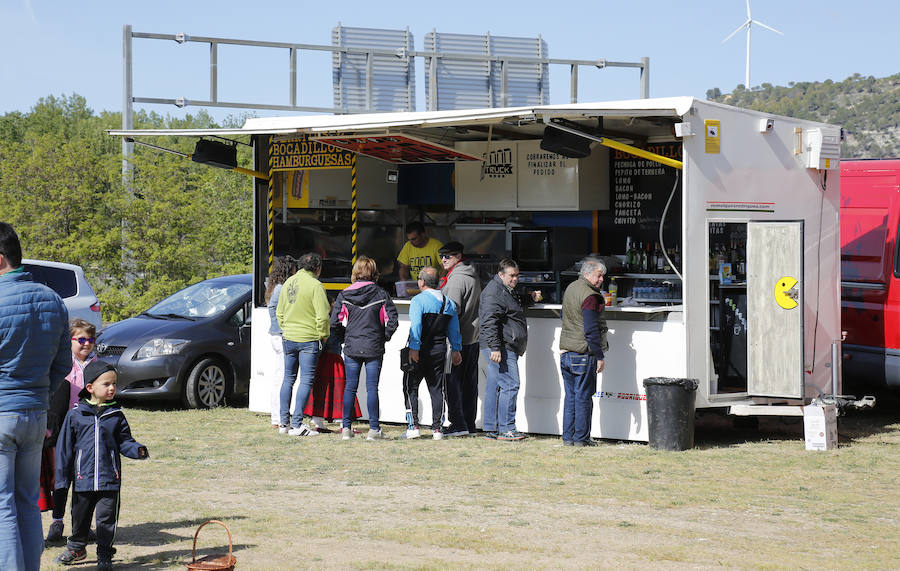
[629,254]
[667,266]
[613,290]
[647,263]
[659,259]
[676,258]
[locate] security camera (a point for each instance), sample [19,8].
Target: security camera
[766,125]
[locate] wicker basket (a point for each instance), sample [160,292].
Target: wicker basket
[214,562]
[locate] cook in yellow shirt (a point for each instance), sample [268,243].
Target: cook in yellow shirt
[418,252]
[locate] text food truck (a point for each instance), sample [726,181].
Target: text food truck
[719,227]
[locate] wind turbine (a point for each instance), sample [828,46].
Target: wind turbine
[748,24]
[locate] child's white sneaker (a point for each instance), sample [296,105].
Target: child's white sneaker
[346,433]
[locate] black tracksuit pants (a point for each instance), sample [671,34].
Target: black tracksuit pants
[462,390]
[84,504]
[431,368]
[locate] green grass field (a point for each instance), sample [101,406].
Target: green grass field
[741,498]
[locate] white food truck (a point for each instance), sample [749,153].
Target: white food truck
[737,210]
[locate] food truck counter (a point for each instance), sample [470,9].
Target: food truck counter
[620,410]
[618,313]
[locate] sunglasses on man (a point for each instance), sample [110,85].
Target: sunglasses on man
[83,340]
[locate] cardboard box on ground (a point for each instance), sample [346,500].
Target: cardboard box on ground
[820,427]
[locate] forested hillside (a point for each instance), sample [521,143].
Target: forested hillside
[61,188]
[867,108]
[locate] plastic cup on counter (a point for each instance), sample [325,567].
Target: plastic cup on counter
[607,299]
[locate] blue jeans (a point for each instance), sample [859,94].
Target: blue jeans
[305,356]
[352,366]
[579,372]
[21,536]
[501,390]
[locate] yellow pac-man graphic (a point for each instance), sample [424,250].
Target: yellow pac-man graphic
[786,292]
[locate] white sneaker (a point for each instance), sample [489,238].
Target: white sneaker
[302,430]
[376,435]
[438,435]
[411,433]
[283,429]
[346,433]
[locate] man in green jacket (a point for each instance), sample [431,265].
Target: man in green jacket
[302,313]
[582,343]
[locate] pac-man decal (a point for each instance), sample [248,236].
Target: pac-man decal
[786,292]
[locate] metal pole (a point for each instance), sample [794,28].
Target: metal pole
[354,227]
[127,106]
[293,77]
[270,209]
[645,78]
[504,101]
[836,365]
[213,71]
[369,58]
[432,77]
[573,84]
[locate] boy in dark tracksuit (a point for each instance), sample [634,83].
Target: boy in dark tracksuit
[91,439]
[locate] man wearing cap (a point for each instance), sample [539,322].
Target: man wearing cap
[420,251]
[461,284]
[35,357]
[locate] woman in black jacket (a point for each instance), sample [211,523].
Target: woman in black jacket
[368,318]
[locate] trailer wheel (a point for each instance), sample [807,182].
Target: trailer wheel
[207,384]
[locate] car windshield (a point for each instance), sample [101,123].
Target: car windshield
[203,299]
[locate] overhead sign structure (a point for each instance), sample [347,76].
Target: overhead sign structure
[298,154]
[398,149]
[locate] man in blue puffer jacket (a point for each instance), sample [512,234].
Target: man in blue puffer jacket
[35,357]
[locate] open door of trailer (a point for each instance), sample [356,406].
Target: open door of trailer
[775,308]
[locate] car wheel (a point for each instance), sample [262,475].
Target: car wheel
[207,384]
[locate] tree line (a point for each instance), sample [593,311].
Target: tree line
[868,109]
[178,222]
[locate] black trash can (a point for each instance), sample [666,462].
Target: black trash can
[670,411]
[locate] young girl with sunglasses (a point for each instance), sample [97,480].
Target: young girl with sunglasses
[83,335]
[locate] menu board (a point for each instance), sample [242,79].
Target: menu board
[641,186]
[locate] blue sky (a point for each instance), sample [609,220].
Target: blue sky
[60,47]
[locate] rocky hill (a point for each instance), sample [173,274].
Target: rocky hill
[867,108]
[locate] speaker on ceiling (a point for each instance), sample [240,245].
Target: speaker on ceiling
[215,153]
[565,143]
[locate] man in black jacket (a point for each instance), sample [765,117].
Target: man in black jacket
[503,338]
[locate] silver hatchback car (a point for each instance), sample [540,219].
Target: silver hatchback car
[68,281]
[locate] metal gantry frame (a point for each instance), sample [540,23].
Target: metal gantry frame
[129,99]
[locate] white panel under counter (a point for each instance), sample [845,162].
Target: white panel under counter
[647,341]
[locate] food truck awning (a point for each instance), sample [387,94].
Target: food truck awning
[430,136]
[430,120]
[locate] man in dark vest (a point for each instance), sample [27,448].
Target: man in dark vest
[582,344]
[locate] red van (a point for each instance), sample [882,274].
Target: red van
[870,271]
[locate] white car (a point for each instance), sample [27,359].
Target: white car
[69,282]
